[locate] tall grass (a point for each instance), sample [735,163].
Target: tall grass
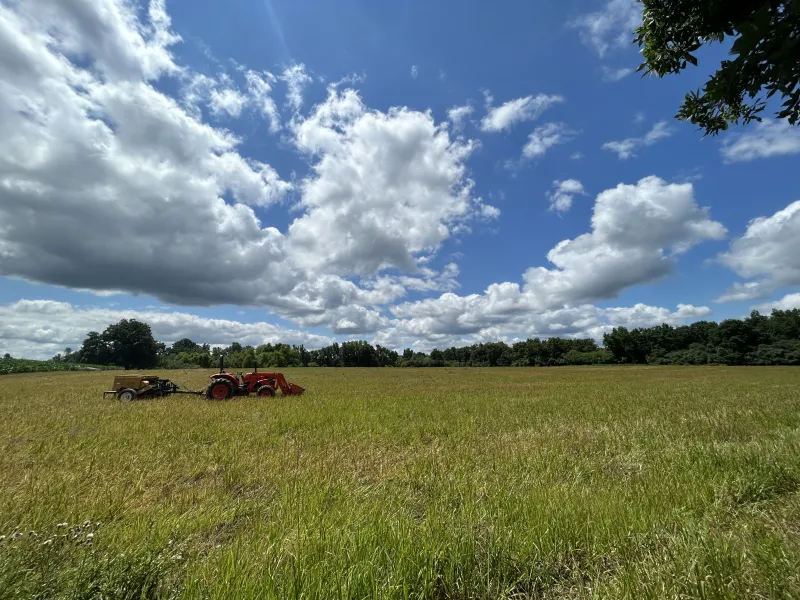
[451,483]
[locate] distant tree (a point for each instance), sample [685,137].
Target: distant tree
[766,55]
[248,359]
[7,356]
[305,357]
[184,345]
[785,324]
[131,344]
[628,346]
[95,350]
[387,357]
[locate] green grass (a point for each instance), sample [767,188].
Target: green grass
[652,482]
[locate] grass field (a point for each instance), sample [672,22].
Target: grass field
[440,483]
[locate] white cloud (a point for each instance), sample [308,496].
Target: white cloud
[414,72]
[627,148]
[563,193]
[104,32]
[453,320]
[222,97]
[504,117]
[769,138]
[614,75]
[259,88]
[43,328]
[788,302]
[458,114]
[610,28]
[768,254]
[545,137]
[228,101]
[576,155]
[637,233]
[296,79]
[386,187]
[105,151]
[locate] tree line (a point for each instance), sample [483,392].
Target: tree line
[756,340]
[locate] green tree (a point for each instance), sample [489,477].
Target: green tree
[765,51]
[131,344]
[184,345]
[249,360]
[95,350]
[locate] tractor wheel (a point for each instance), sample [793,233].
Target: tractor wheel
[126,395]
[219,389]
[266,390]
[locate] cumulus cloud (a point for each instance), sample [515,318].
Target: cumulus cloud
[563,193]
[545,137]
[463,320]
[414,72]
[516,111]
[386,188]
[133,191]
[769,138]
[788,302]
[627,148]
[610,28]
[104,32]
[228,101]
[768,254]
[458,114]
[222,97]
[42,328]
[637,233]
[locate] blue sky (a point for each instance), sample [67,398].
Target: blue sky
[124,170]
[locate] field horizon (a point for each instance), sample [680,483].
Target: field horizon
[454,482]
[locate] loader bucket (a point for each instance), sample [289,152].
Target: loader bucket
[295,390]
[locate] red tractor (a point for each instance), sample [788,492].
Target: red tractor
[226,385]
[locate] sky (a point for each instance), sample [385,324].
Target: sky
[416,174]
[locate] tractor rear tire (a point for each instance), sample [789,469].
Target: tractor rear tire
[219,389]
[126,395]
[266,390]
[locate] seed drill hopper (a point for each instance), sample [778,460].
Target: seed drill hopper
[131,387]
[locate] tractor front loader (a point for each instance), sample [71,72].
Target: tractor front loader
[224,385]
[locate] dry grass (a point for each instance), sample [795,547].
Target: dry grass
[441,483]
